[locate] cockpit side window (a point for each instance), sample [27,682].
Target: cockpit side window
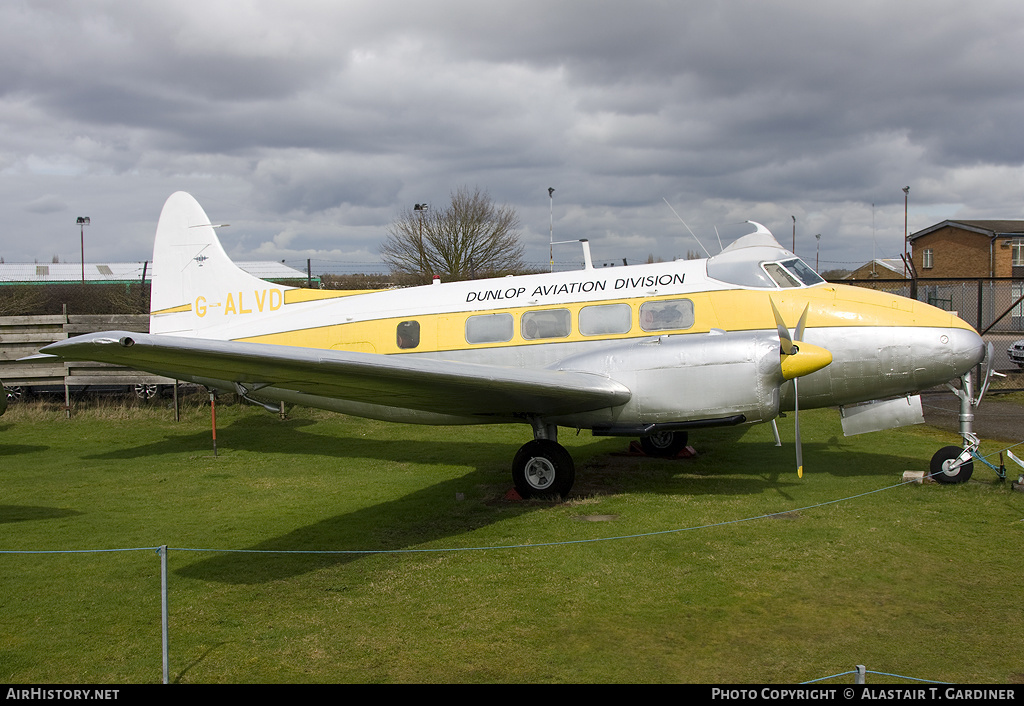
[792,273]
[780,275]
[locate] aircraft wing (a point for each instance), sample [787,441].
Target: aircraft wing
[403,381]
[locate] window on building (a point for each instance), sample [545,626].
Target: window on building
[1017,250]
[927,259]
[1017,291]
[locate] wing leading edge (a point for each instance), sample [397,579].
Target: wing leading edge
[441,386]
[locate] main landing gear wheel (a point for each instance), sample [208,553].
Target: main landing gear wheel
[667,444]
[543,467]
[943,467]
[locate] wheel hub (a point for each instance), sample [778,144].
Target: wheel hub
[662,440]
[540,473]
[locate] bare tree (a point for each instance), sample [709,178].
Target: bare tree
[471,237]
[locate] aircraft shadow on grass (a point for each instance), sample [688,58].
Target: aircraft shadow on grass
[8,449]
[25,513]
[426,516]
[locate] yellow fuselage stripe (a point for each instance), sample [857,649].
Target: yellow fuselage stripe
[729,310]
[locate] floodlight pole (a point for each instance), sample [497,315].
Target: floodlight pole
[551,226]
[817,252]
[82,222]
[419,209]
[906,234]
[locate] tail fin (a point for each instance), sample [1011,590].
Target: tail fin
[196,287]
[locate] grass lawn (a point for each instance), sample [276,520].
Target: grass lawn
[918,580]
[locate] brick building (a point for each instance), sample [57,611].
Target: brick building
[970,249]
[880,268]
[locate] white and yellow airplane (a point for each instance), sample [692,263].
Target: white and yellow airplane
[647,350]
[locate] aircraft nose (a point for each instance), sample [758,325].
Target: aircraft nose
[966,348]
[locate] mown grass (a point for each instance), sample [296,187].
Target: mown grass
[914,580]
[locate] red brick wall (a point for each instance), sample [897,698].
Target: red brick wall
[957,253]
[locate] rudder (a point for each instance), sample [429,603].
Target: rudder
[194,280]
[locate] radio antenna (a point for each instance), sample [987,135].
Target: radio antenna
[687,227]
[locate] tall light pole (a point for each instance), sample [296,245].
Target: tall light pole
[817,250]
[551,226]
[906,233]
[419,209]
[794,234]
[82,222]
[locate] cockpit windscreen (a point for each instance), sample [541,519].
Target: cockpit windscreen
[784,274]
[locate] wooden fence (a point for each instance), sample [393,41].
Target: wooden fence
[22,336]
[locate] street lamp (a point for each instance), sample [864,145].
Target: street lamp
[906,234]
[551,226]
[82,222]
[420,209]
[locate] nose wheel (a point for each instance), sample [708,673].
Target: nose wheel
[947,466]
[543,468]
[953,464]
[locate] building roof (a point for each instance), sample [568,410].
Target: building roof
[119,272]
[989,229]
[893,264]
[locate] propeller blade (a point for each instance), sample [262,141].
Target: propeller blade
[796,423]
[810,359]
[785,340]
[803,321]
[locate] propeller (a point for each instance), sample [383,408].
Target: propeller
[798,358]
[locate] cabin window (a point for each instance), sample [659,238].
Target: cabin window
[666,315]
[489,328]
[550,323]
[928,259]
[606,319]
[408,334]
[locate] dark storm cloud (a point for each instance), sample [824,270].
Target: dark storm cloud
[313,123]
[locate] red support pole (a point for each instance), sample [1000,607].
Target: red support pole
[213,419]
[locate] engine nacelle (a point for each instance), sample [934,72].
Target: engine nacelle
[689,378]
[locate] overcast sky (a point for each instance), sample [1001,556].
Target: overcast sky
[309,125]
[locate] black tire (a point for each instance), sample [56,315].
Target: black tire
[667,444]
[543,468]
[940,463]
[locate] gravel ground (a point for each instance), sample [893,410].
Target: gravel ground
[993,419]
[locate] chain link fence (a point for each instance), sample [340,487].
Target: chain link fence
[993,306]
